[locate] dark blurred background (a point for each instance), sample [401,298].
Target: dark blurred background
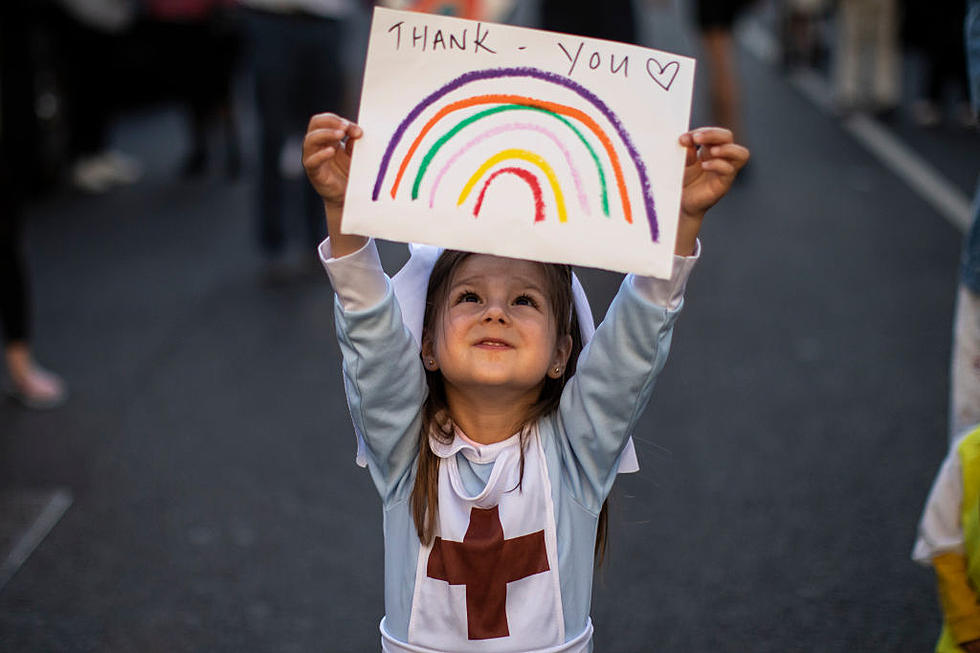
[176,456]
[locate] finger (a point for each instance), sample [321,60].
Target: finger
[343,162]
[354,131]
[731,151]
[690,156]
[712,136]
[324,135]
[691,173]
[321,154]
[687,141]
[718,166]
[318,158]
[327,121]
[320,140]
[710,131]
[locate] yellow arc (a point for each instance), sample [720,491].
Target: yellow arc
[530,157]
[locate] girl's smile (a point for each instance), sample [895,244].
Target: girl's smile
[493,343]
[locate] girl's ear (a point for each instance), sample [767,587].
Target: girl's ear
[563,349]
[428,358]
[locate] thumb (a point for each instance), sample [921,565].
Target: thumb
[692,171]
[343,159]
[691,156]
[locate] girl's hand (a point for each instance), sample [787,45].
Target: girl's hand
[713,160]
[327,149]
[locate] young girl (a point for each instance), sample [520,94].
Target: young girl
[491,429]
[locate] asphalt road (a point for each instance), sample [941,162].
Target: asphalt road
[216,507]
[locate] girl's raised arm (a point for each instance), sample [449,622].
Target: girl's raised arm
[384,381]
[616,372]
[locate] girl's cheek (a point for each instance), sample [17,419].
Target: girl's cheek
[462,311]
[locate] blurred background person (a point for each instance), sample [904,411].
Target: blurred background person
[29,383]
[965,366]
[715,19]
[933,30]
[800,27]
[296,57]
[613,19]
[867,59]
[91,37]
[200,41]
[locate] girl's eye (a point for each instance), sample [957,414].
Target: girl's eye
[468,297]
[525,300]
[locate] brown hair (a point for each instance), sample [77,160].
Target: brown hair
[435,411]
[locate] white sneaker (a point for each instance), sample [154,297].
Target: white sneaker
[39,389]
[89,175]
[100,172]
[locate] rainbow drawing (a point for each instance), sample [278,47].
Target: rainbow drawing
[571,122]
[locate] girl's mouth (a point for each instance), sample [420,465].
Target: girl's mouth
[492,343]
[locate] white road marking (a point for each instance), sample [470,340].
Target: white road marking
[947,199]
[57,505]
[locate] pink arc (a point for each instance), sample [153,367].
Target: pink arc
[509,127]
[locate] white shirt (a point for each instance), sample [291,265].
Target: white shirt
[940,530]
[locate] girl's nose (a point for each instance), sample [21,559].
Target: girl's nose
[495,313]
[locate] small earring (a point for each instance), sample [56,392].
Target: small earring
[557,371]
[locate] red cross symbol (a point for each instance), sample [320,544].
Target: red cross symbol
[485,562]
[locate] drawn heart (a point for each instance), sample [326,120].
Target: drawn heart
[664,75]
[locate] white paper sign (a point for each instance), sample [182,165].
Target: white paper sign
[520,143]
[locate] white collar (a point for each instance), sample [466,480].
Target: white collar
[474,452]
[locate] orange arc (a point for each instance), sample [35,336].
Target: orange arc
[526,101]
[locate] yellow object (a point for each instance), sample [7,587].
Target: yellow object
[958,575]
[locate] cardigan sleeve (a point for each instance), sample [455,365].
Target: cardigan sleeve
[614,380]
[383,375]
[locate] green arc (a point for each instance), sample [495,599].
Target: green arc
[430,154]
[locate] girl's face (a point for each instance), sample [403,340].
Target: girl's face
[497,330]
